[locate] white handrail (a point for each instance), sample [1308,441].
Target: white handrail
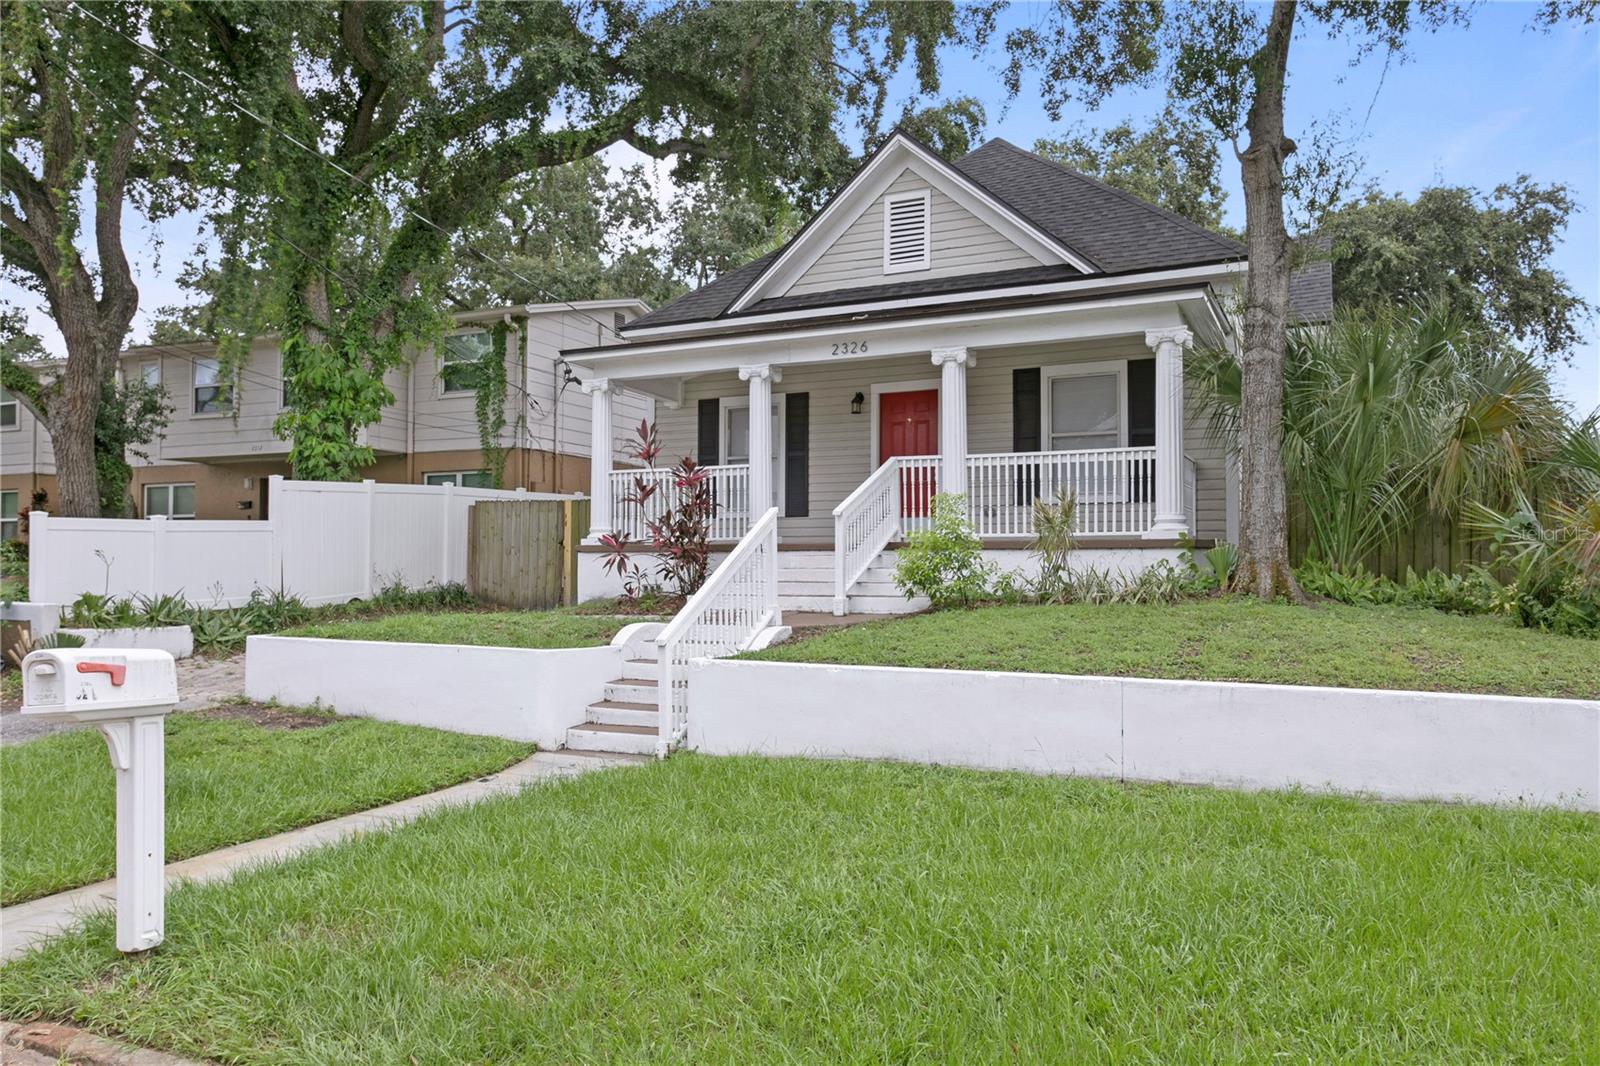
[863,524]
[1114,489]
[738,600]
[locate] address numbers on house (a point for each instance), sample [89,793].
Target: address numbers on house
[850,348]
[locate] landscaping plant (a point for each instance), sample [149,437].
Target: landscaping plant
[680,531]
[945,562]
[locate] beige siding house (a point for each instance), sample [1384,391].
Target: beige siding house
[216,454]
[1000,327]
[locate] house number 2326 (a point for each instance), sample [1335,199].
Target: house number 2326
[850,348]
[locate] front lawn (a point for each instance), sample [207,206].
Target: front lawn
[743,910]
[560,628]
[1233,639]
[233,774]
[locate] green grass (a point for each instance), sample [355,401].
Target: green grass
[228,780]
[561,628]
[1227,640]
[740,910]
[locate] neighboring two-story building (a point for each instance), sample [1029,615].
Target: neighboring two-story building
[218,450]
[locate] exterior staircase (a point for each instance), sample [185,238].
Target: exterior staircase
[805,583]
[626,719]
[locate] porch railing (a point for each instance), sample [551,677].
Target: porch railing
[730,487]
[1114,489]
[736,603]
[863,525]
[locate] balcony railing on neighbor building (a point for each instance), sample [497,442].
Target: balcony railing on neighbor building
[730,487]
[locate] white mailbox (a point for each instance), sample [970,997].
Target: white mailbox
[127,693]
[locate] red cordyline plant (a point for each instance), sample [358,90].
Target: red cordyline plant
[680,535]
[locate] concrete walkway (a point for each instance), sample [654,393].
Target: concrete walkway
[25,924]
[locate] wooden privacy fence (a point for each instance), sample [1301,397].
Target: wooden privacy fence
[524,553]
[1432,543]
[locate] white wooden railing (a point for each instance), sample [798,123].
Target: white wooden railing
[863,525]
[737,602]
[919,484]
[730,487]
[1114,489]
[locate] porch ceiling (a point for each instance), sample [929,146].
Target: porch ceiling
[657,367]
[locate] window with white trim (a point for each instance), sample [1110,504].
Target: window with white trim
[8,514]
[211,395]
[466,479]
[1086,406]
[460,359]
[906,237]
[150,373]
[171,501]
[9,412]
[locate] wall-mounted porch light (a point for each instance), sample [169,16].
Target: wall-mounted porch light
[855,403]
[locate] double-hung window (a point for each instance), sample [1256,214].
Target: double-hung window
[171,501]
[211,394]
[466,479]
[9,413]
[1086,410]
[460,361]
[8,514]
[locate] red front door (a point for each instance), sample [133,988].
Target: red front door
[908,424]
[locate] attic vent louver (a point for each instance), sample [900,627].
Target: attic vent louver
[905,232]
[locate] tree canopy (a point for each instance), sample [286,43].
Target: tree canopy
[1486,255]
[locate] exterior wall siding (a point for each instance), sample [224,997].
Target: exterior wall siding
[26,448]
[842,449]
[960,244]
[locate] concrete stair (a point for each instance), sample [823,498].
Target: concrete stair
[625,720]
[805,583]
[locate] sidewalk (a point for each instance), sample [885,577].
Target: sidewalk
[25,924]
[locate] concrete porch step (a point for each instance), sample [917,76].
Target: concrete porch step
[640,670]
[626,739]
[632,690]
[623,712]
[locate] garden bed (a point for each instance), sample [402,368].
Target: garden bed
[1227,639]
[560,628]
[850,912]
[234,774]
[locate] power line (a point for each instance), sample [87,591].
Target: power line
[218,95]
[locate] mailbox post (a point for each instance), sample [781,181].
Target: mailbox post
[128,695]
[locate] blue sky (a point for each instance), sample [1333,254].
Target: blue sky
[1474,106]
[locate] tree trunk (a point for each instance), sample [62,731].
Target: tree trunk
[1263,566]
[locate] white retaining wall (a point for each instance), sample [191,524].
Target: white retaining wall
[518,693]
[1400,745]
[325,541]
[176,641]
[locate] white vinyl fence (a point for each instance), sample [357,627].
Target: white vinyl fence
[323,541]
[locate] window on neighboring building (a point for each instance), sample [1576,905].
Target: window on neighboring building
[9,412]
[8,514]
[905,232]
[211,396]
[151,373]
[1086,406]
[173,501]
[459,358]
[467,479]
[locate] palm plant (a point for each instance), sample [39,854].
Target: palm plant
[1393,417]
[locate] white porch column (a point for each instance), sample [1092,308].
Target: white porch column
[761,379]
[600,521]
[953,364]
[1168,344]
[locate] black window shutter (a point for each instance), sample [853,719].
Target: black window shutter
[710,433]
[1025,435]
[797,454]
[1141,403]
[1025,410]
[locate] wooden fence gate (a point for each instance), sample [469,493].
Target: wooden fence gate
[524,553]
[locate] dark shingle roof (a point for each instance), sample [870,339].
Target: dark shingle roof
[1114,230]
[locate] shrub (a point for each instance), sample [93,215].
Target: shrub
[945,563]
[680,536]
[1054,539]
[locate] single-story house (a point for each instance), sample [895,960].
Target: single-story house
[999,326]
